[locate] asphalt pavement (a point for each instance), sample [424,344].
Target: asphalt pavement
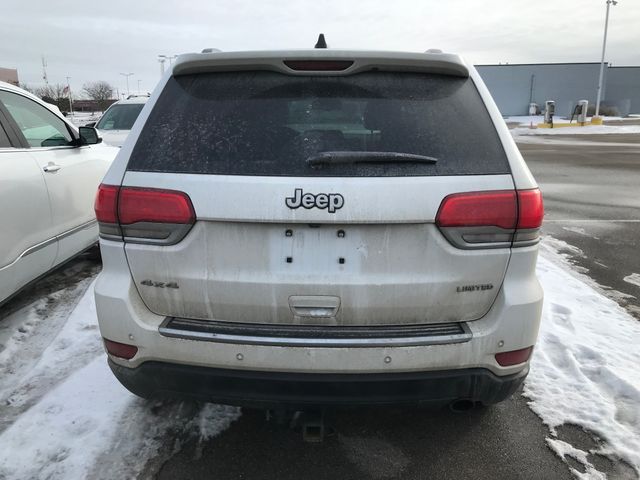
[502,441]
[592,201]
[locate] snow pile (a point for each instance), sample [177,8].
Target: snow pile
[88,425]
[585,370]
[633,279]
[48,344]
[64,433]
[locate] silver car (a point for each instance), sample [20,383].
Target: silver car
[320,227]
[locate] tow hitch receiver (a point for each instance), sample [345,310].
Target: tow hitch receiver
[310,422]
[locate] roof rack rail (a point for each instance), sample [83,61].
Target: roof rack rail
[211,50]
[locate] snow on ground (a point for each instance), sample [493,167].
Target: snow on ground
[79,421]
[633,279]
[588,130]
[41,344]
[65,416]
[585,367]
[82,118]
[524,134]
[526,120]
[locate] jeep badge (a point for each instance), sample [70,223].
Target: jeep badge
[330,201]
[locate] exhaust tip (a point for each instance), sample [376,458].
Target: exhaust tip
[462,405]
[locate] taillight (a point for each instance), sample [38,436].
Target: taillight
[514,357]
[491,219]
[121,350]
[106,207]
[530,209]
[497,209]
[106,204]
[152,205]
[143,215]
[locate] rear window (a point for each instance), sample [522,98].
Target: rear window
[272,124]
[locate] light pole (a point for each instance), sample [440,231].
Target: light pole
[127,75]
[604,47]
[164,58]
[139,85]
[70,102]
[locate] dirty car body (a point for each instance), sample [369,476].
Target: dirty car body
[320,227]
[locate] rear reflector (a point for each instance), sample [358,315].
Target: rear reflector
[318,65]
[153,205]
[473,209]
[120,350]
[514,357]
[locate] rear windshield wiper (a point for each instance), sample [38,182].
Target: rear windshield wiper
[338,157]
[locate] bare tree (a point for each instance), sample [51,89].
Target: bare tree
[99,91]
[55,94]
[26,87]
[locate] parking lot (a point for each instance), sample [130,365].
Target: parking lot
[590,185]
[591,203]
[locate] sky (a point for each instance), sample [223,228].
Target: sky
[100,40]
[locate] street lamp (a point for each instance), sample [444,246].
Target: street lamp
[127,75]
[70,102]
[164,58]
[139,85]
[604,46]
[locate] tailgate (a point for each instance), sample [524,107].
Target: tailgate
[378,260]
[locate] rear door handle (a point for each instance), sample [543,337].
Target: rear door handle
[52,167]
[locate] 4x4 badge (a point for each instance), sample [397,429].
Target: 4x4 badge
[330,201]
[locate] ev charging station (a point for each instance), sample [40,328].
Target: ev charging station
[549,112]
[581,111]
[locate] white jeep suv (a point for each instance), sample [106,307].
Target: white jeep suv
[320,227]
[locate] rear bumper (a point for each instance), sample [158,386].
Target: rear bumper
[511,324]
[264,389]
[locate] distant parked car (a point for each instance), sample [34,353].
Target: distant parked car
[117,121]
[49,171]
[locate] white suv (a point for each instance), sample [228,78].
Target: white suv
[320,227]
[49,173]
[117,121]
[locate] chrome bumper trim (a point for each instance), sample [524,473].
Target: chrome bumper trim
[315,336]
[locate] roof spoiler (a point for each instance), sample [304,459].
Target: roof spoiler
[216,61]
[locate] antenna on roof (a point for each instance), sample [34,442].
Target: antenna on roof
[321,43]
